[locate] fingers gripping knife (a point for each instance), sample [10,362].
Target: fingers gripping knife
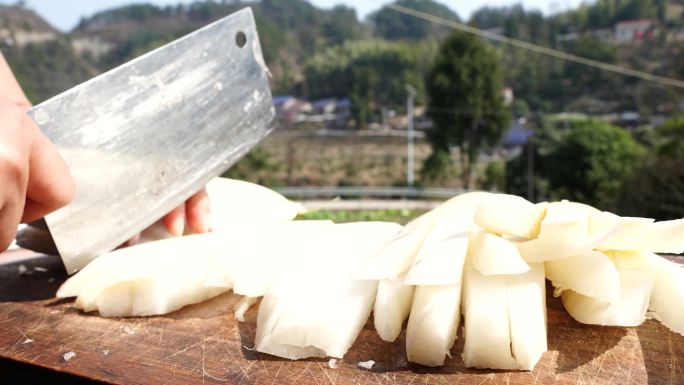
[142,138]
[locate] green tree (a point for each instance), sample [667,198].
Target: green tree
[465,103]
[590,162]
[584,78]
[669,138]
[340,25]
[393,25]
[48,68]
[656,188]
[637,9]
[371,73]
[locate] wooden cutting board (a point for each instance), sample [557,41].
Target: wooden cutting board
[204,344]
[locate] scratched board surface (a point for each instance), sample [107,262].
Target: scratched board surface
[204,344]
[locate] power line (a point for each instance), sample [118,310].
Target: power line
[536,48]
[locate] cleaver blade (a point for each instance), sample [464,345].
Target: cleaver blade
[143,137]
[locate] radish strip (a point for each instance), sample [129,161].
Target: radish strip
[505,319]
[526,294]
[521,218]
[668,293]
[235,201]
[426,237]
[392,307]
[242,306]
[234,205]
[592,274]
[433,324]
[146,260]
[439,260]
[564,232]
[396,257]
[316,308]
[268,252]
[491,254]
[663,237]
[487,325]
[629,309]
[626,234]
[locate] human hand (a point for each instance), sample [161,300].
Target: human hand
[34,180]
[195,212]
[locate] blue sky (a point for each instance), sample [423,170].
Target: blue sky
[64,14]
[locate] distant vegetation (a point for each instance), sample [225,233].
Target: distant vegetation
[296,36]
[342,216]
[371,73]
[392,25]
[466,103]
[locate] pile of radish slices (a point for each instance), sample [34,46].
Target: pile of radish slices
[479,255]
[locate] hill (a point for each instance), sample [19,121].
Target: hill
[290,31]
[303,43]
[18,18]
[42,58]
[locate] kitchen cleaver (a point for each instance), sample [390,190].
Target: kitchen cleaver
[143,137]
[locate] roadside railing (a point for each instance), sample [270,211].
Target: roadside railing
[368,192]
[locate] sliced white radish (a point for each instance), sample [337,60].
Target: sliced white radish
[556,240]
[505,319]
[487,329]
[162,276]
[443,264]
[663,237]
[316,308]
[668,293]
[423,238]
[565,231]
[626,234]
[392,306]
[266,253]
[490,254]
[439,260]
[396,257]
[588,310]
[287,327]
[152,278]
[145,297]
[591,273]
[242,306]
[236,203]
[144,259]
[244,202]
[510,215]
[526,294]
[602,222]
[636,285]
[433,324]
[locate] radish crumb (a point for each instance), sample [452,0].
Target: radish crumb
[368,365]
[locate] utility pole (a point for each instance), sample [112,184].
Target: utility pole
[530,168]
[530,162]
[409,134]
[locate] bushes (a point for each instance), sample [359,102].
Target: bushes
[656,189]
[586,162]
[591,162]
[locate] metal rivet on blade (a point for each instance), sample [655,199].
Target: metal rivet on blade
[240,39]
